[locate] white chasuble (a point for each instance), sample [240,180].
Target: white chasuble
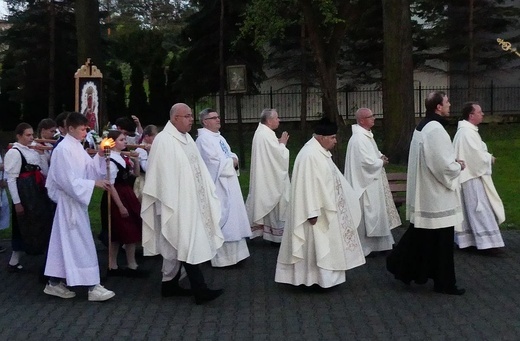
[180,209]
[365,172]
[319,253]
[269,184]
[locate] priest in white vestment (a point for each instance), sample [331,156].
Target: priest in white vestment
[433,206]
[364,170]
[269,183]
[180,208]
[223,165]
[320,241]
[482,206]
[73,174]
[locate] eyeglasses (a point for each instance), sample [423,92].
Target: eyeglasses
[186,116]
[369,116]
[212,118]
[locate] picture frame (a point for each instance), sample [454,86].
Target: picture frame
[236,79]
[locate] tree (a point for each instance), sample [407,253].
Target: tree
[40,82]
[463,33]
[199,62]
[88,32]
[115,92]
[10,109]
[137,102]
[157,89]
[326,22]
[398,103]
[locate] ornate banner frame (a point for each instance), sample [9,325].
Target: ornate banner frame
[89,95]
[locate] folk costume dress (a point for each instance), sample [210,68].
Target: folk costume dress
[217,156]
[5,211]
[125,230]
[483,208]
[26,170]
[269,185]
[321,253]
[72,252]
[365,172]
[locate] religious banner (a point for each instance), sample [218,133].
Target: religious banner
[89,84]
[236,77]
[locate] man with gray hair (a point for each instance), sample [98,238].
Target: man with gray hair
[180,208]
[364,170]
[269,183]
[222,165]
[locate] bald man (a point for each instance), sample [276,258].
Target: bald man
[364,170]
[180,208]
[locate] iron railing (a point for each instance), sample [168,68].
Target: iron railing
[494,100]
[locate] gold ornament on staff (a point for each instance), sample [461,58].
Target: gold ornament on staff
[506,46]
[107,144]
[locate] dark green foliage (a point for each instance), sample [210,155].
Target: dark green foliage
[9,109]
[199,61]
[137,102]
[445,35]
[26,75]
[114,92]
[157,88]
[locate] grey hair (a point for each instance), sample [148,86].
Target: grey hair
[360,111]
[204,113]
[266,114]
[150,130]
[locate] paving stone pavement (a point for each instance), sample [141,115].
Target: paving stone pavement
[371,305]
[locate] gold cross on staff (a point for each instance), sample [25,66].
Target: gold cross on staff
[506,46]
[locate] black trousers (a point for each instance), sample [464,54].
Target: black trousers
[195,276]
[424,254]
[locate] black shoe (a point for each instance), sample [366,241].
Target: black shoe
[2,249]
[207,295]
[452,291]
[135,273]
[406,281]
[172,288]
[115,272]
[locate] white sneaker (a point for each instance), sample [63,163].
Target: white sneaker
[59,290]
[99,294]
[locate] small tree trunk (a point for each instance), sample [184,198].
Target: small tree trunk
[52,55]
[304,86]
[88,32]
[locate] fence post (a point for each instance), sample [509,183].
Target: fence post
[420,99]
[271,97]
[491,101]
[347,106]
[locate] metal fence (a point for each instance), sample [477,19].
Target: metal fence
[494,100]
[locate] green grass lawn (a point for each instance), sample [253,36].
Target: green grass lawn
[503,141]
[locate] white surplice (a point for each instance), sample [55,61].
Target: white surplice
[180,208]
[70,183]
[483,208]
[364,171]
[269,185]
[433,173]
[321,253]
[217,156]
